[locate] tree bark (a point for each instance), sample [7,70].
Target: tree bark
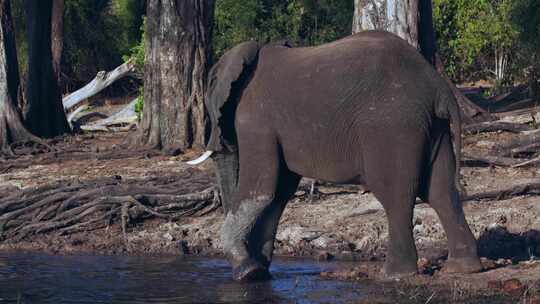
[178,53]
[411,20]
[57,36]
[44,115]
[11,127]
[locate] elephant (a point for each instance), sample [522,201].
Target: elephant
[367,109]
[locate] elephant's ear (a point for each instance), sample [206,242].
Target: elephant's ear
[223,79]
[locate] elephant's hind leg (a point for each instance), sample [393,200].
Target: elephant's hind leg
[264,187]
[394,182]
[444,198]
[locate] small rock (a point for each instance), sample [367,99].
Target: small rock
[168,236]
[423,263]
[513,287]
[503,262]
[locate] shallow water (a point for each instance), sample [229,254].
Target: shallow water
[41,278]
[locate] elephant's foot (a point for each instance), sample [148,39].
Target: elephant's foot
[463,265]
[250,271]
[398,271]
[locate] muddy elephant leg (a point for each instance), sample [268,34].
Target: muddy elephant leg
[444,198]
[287,185]
[253,206]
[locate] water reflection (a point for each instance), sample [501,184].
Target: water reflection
[39,278]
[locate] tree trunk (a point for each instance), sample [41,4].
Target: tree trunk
[44,115]
[178,53]
[11,127]
[57,36]
[411,20]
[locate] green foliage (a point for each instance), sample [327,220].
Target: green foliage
[305,22]
[139,104]
[472,34]
[19,20]
[526,17]
[136,53]
[96,34]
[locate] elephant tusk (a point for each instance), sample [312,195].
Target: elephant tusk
[201,159]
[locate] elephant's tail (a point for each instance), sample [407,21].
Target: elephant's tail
[448,108]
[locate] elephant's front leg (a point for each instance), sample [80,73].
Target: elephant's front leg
[251,222]
[240,238]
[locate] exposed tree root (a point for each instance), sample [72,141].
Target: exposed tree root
[24,155]
[91,205]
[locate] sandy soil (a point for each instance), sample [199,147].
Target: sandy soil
[340,222]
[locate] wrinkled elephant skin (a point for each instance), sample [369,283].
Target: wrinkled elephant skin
[367,109]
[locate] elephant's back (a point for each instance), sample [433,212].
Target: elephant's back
[325,101]
[373,69]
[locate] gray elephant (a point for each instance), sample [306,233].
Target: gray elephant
[366,109]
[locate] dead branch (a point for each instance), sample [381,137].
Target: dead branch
[524,189]
[522,143]
[533,161]
[126,116]
[494,126]
[473,160]
[101,81]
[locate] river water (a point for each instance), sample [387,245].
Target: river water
[41,278]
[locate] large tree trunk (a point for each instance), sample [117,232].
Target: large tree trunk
[411,20]
[44,112]
[57,36]
[178,53]
[11,127]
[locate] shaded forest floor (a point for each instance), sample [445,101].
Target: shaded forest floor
[338,222]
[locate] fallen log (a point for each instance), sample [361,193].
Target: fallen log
[494,126]
[533,161]
[102,80]
[517,190]
[528,138]
[475,160]
[126,116]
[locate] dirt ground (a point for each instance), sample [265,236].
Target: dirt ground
[339,222]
